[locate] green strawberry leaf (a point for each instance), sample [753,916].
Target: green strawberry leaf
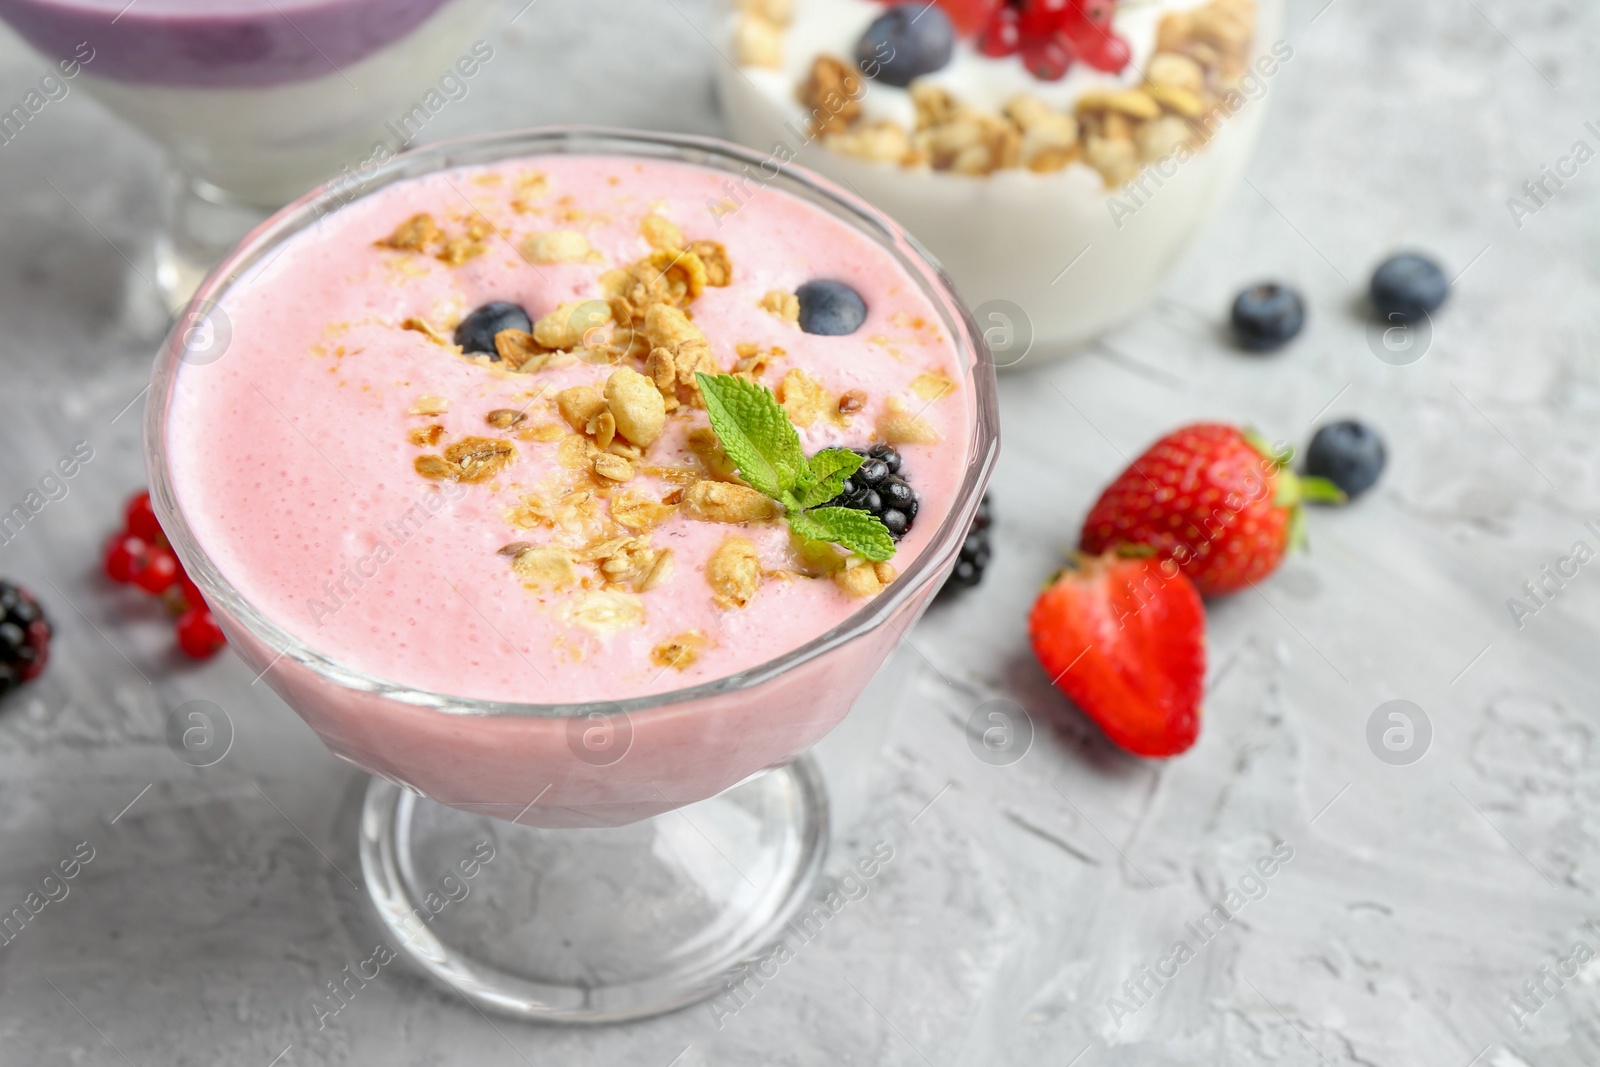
[861,532]
[755,433]
[1316,490]
[825,476]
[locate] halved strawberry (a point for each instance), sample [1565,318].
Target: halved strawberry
[1219,501]
[1125,639]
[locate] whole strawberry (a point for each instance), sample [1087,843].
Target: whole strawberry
[1125,639]
[1216,500]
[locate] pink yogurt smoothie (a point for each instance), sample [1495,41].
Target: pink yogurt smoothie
[294,462]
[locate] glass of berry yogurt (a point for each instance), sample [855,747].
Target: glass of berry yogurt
[575,508]
[1058,156]
[255,101]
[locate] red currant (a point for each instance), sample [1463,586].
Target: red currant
[970,16]
[1041,19]
[1048,59]
[142,519]
[1098,13]
[1110,54]
[1001,37]
[125,557]
[198,633]
[160,571]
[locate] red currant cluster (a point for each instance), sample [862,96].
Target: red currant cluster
[139,554]
[1049,35]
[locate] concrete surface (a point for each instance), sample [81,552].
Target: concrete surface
[1419,898]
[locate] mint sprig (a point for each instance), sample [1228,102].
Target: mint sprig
[761,442]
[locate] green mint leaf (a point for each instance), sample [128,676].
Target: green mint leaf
[859,531]
[825,475]
[754,431]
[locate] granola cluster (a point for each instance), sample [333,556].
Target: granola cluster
[610,493]
[1201,54]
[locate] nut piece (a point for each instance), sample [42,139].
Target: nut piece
[478,459]
[413,235]
[426,436]
[637,406]
[734,572]
[708,501]
[637,512]
[504,418]
[702,441]
[547,567]
[668,327]
[557,246]
[862,578]
[680,651]
[426,329]
[1176,71]
[612,468]
[779,12]
[719,268]
[852,401]
[885,141]
[899,425]
[803,398]
[435,467]
[758,43]
[1135,103]
[1162,138]
[784,305]
[519,351]
[660,232]
[428,405]
[933,385]
[568,325]
[832,93]
[578,405]
[604,612]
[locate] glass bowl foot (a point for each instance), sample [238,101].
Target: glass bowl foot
[593,925]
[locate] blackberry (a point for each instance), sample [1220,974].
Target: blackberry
[24,637]
[877,487]
[975,551]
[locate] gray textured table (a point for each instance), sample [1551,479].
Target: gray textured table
[1418,899]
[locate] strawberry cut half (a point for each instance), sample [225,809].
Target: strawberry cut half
[1124,638]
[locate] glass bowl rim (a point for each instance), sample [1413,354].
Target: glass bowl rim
[481,149]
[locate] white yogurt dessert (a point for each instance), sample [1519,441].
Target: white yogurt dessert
[1056,155]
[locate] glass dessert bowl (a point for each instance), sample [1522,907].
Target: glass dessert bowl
[256,101]
[1058,156]
[517,578]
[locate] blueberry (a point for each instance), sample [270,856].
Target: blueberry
[1267,316]
[1408,286]
[896,522]
[906,42]
[1349,454]
[830,308]
[477,330]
